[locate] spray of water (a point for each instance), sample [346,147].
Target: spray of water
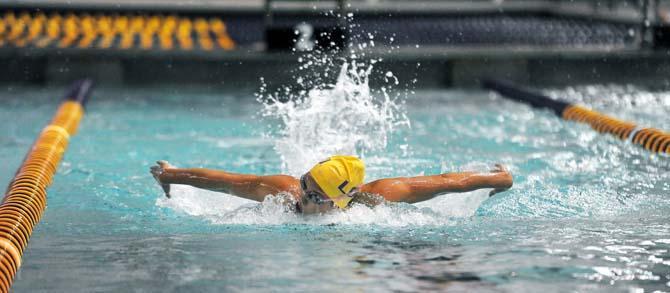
[343,119]
[317,117]
[223,209]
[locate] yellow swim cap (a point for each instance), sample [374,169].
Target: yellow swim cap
[337,176]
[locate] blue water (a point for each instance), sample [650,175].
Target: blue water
[587,212]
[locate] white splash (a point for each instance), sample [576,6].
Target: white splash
[221,209]
[343,119]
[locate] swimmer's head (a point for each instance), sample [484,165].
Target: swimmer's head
[338,176]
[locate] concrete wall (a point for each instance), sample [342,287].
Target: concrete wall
[463,71]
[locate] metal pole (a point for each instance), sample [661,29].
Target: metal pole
[268,13]
[650,20]
[342,7]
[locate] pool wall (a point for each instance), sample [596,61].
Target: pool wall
[534,42]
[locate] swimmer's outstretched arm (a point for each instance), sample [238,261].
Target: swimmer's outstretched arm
[421,188]
[247,186]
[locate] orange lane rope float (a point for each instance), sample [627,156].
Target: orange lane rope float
[113,31]
[654,140]
[25,198]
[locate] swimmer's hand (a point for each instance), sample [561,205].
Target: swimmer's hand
[505,178]
[157,171]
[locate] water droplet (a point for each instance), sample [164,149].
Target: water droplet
[310,129]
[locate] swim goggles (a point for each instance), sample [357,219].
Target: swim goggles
[313,196]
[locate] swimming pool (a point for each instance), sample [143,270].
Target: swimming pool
[587,212]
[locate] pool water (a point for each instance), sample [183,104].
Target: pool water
[587,212]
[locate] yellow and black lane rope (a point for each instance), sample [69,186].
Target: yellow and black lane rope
[113,31]
[654,140]
[26,198]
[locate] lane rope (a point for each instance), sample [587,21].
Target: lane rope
[81,30]
[651,139]
[26,197]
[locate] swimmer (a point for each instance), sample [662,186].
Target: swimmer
[335,183]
